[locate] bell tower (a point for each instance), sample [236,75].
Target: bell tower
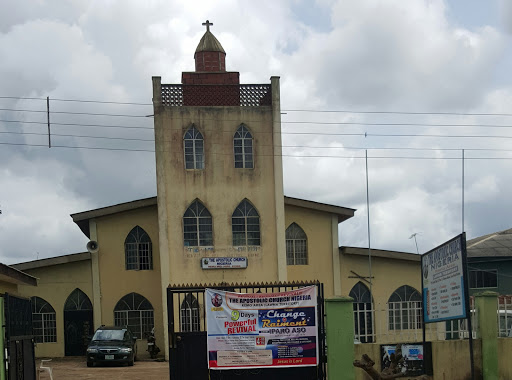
[219,173]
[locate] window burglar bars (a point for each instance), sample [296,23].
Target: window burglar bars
[243,148]
[139,322]
[189,314]
[245,224]
[193,145]
[197,226]
[44,327]
[405,315]
[505,316]
[138,250]
[363,323]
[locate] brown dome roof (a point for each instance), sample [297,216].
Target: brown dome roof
[209,43]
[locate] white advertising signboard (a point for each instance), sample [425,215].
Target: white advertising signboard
[444,292]
[258,330]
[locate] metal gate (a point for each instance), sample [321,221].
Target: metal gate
[187,335]
[19,339]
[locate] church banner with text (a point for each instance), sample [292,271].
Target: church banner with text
[258,330]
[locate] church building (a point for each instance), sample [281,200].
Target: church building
[220,216]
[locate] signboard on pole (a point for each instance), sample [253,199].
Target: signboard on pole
[259,330]
[443,281]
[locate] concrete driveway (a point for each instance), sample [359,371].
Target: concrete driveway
[74,368]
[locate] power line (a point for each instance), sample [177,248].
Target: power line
[283,133]
[402,112]
[78,147]
[268,145]
[398,124]
[71,113]
[477,125]
[268,155]
[77,101]
[393,135]
[397,112]
[79,136]
[75,124]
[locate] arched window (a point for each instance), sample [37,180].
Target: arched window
[404,307]
[245,224]
[78,300]
[243,148]
[43,321]
[189,314]
[138,250]
[296,245]
[363,313]
[135,312]
[197,225]
[193,145]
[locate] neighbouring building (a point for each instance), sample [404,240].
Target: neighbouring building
[11,279]
[490,263]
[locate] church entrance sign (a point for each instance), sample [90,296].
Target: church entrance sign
[262,330]
[445,287]
[445,295]
[224,262]
[275,351]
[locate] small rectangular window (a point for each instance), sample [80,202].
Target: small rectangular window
[481,278]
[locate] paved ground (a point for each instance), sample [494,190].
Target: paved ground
[74,368]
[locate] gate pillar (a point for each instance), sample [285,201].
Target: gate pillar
[486,305]
[339,316]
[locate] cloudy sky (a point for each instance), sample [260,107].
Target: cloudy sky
[414,83]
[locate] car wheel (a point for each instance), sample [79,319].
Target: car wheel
[90,364]
[130,363]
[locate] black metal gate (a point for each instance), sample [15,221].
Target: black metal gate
[19,339]
[187,335]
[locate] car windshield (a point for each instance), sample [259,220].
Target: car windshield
[108,335]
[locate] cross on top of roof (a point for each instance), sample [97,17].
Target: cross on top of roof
[207,23]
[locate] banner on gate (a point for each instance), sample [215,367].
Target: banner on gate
[255,330]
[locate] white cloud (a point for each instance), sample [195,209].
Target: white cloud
[370,55]
[35,212]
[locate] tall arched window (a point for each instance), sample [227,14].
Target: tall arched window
[296,245]
[404,307]
[135,312]
[193,145]
[78,300]
[189,314]
[197,225]
[243,148]
[363,313]
[43,321]
[245,224]
[138,250]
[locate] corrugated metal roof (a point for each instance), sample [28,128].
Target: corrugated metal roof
[498,244]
